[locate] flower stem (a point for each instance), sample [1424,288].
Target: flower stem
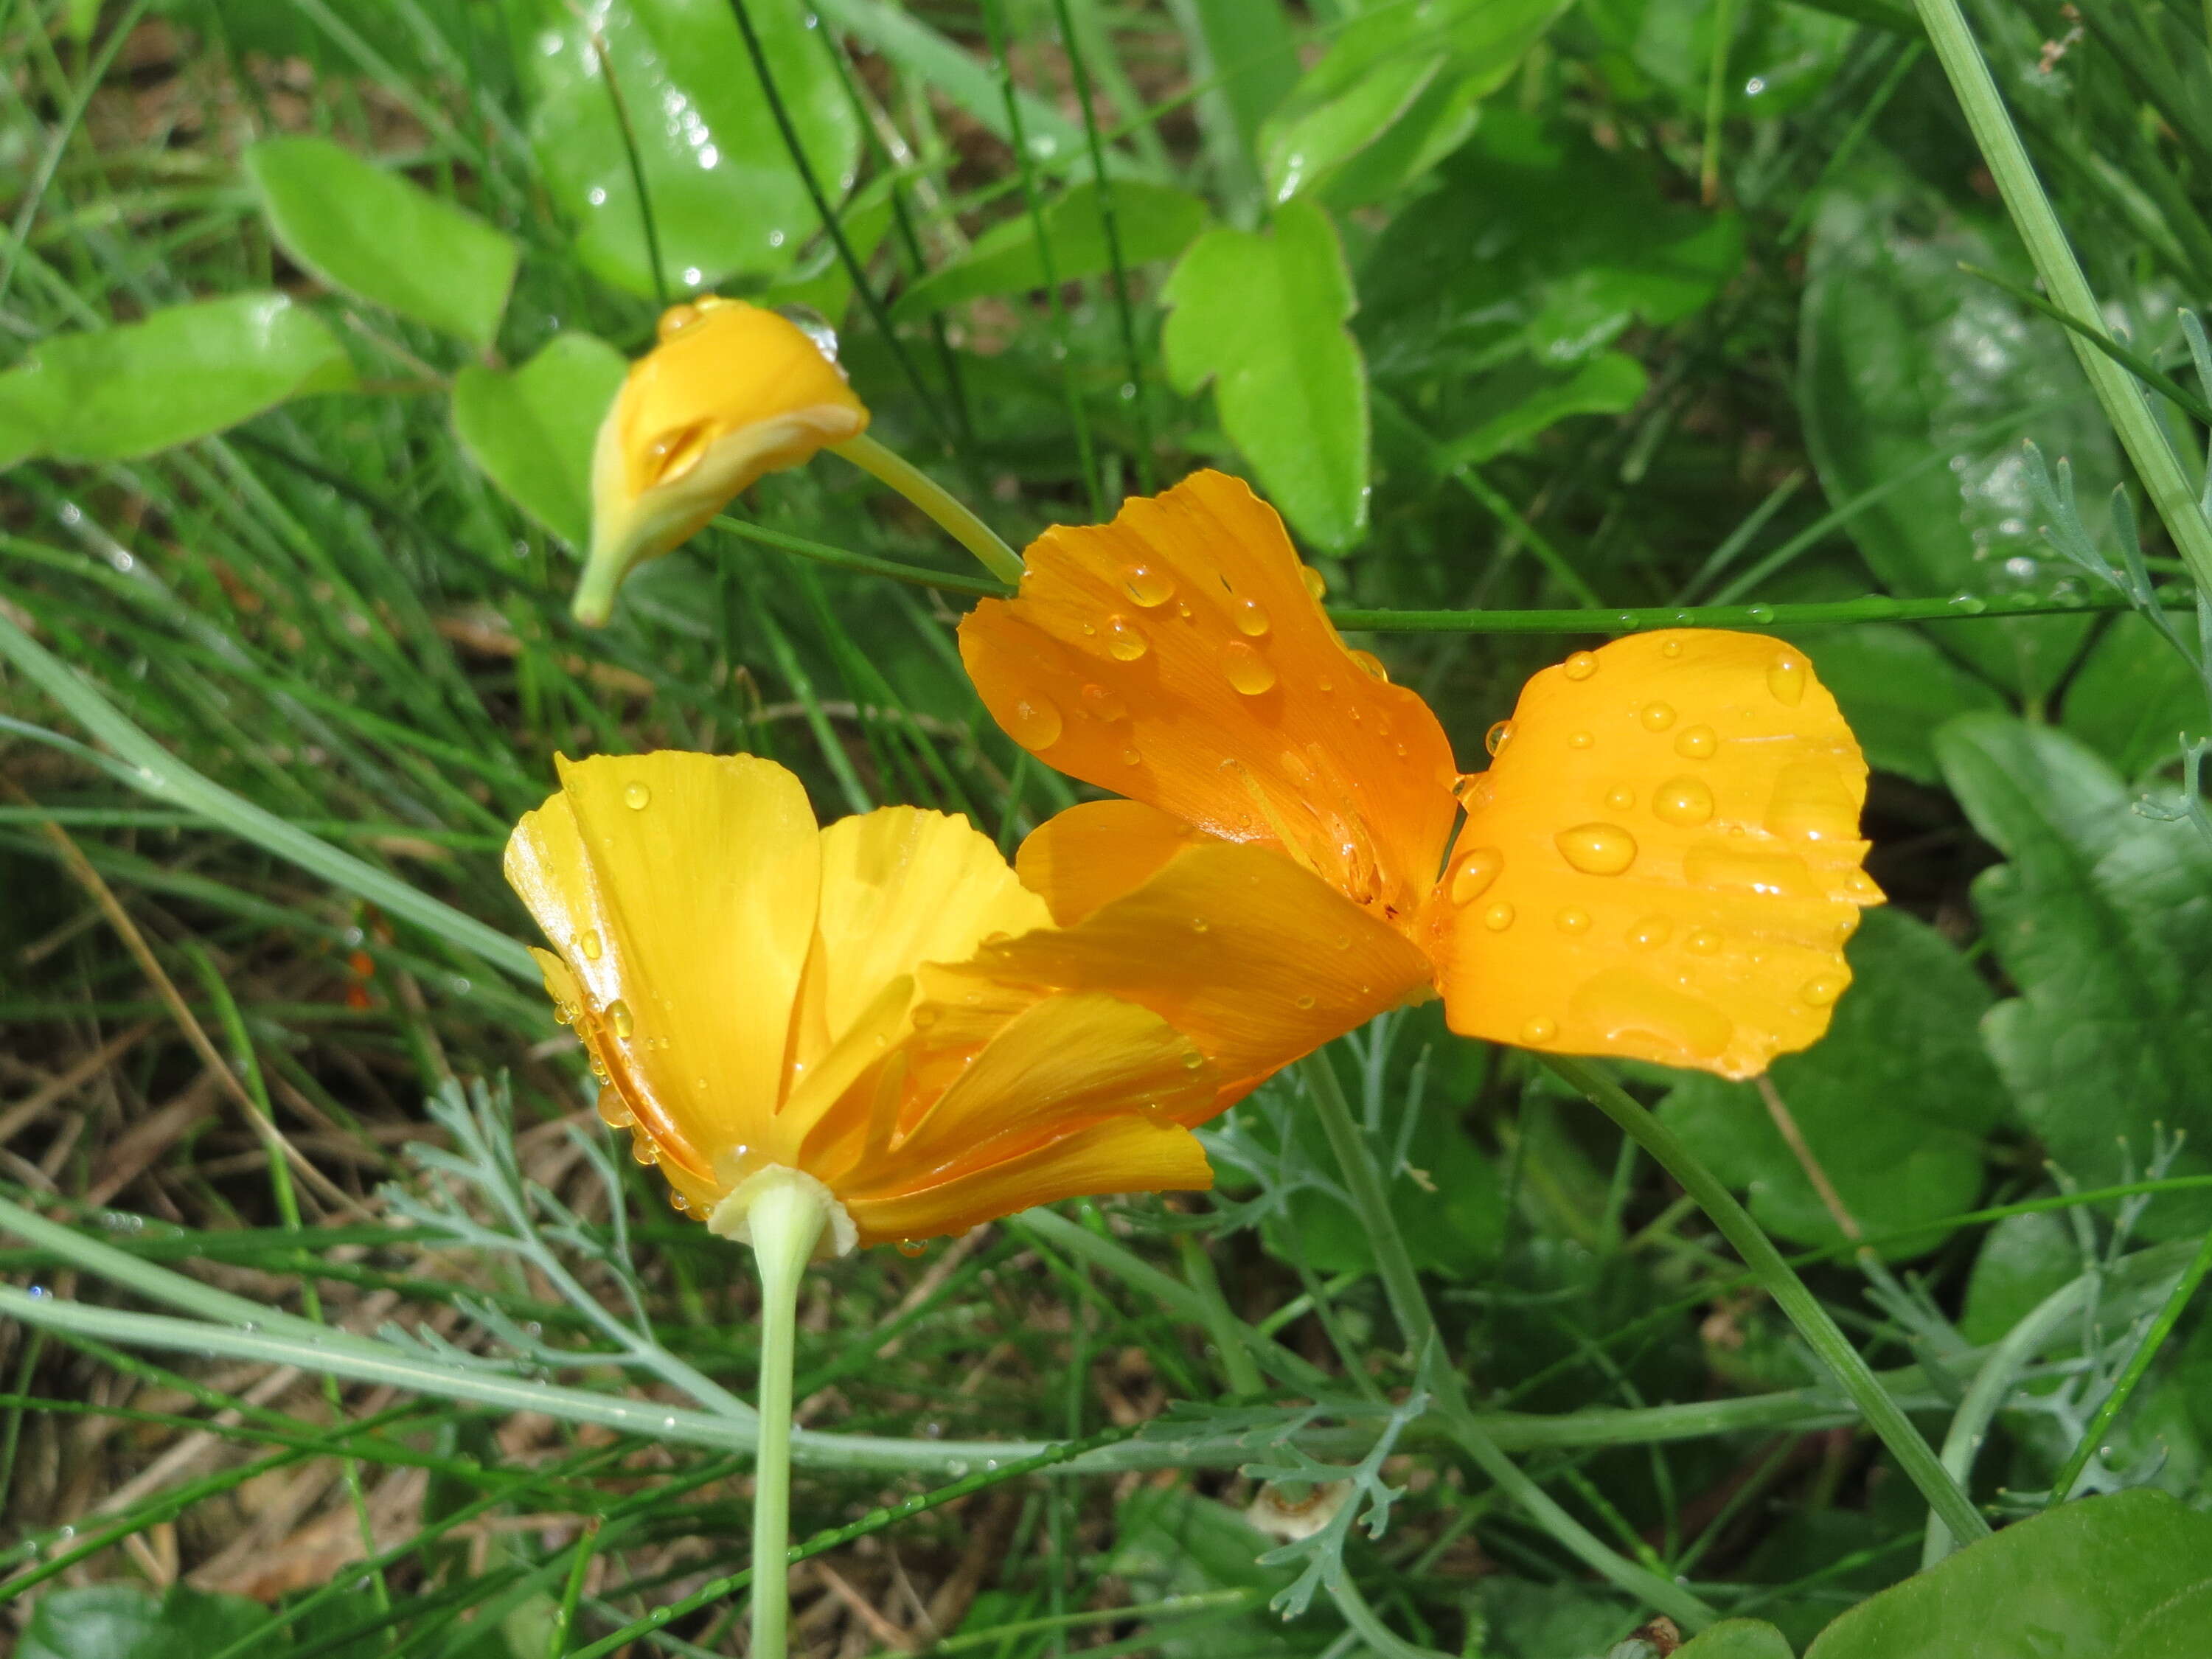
[785,1220]
[1881,1413]
[932,498]
[1401,1284]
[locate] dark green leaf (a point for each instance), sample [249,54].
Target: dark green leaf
[1780,54]
[2133,697]
[383,238]
[123,1621]
[1604,386]
[2024,1259]
[727,199]
[182,374]
[2127,1577]
[1175,1542]
[1154,221]
[1737,1638]
[1904,364]
[1262,317]
[532,431]
[1893,1103]
[2103,919]
[1895,686]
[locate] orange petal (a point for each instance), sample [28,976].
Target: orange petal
[1175,656]
[1118,1155]
[679,892]
[1077,859]
[1255,959]
[1663,862]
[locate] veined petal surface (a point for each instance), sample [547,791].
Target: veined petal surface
[1178,656]
[1663,862]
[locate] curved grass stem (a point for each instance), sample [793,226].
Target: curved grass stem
[950,513]
[1881,1413]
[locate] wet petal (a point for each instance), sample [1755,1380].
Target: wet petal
[679,893]
[1177,657]
[1077,859]
[1664,861]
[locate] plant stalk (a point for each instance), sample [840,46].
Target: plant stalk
[785,1220]
[1882,1413]
[950,513]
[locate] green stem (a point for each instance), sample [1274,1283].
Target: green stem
[2032,215]
[1401,1284]
[785,1220]
[932,498]
[1882,1413]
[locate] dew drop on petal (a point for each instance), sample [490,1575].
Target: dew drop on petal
[1621,798]
[637,797]
[618,1019]
[1373,665]
[1821,989]
[612,1111]
[1101,704]
[1316,584]
[1249,615]
[1497,736]
[1684,800]
[1696,743]
[1538,1029]
[1036,723]
[1248,671]
[1671,648]
[1650,932]
[1148,586]
[588,943]
[1657,716]
[910,1248]
[1193,1060]
[1498,917]
[1572,921]
[1597,849]
[1704,941]
[1580,740]
[1786,680]
[1580,666]
[1125,641]
[1200,924]
[1476,871]
[1130,757]
[1304,999]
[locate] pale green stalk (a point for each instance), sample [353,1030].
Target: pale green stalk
[934,499]
[2032,215]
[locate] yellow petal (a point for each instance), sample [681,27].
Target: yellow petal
[679,892]
[730,392]
[1057,1066]
[1118,1155]
[1177,657]
[1253,958]
[1664,861]
[1077,859]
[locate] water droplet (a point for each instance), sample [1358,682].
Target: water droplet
[1324,685]
[1671,648]
[1822,989]
[1036,723]
[1651,932]
[676,319]
[1130,757]
[1620,799]
[1200,924]
[1657,716]
[1125,641]
[1684,800]
[1579,740]
[1193,1060]
[1704,940]
[1250,617]
[1316,584]
[1760,613]
[1148,586]
[1812,802]
[911,1248]
[1101,704]
[1498,917]
[1538,1029]
[1476,871]
[618,1017]
[1373,665]
[1248,671]
[1597,849]
[641,1150]
[1696,743]
[1968,605]
[1786,680]
[1344,941]
[588,943]
[637,797]
[1571,921]
[613,1110]
[1580,666]
[1304,1000]
[1497,736]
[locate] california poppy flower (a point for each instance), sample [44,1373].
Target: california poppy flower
[730,393]
[884,1007]
[1662,860]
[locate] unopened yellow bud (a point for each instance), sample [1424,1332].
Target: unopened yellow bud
[730,393]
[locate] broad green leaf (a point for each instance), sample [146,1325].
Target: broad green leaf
[2124,1577]
[1520,1619]
[1378,70]
[1737,1638]
[1895,686]
[123,1621]
[2133,696]
[532,431]
[1153,222]
[824,284]
[182,374]
[727,199]
[1904,364]
[1603,385]
[2102,918]
[1175,1542]
[1781,54]
[1895,1102]
[1262,317]
[383,238]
